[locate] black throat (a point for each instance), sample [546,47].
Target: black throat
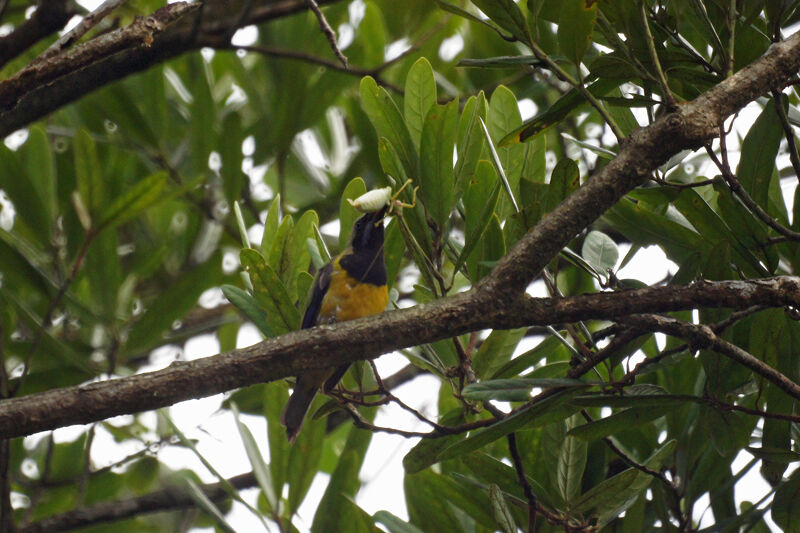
[366,266]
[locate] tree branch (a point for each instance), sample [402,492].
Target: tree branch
[190,32]
[331,345]
[170,498]
[50,16]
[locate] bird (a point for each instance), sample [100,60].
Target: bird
[352,285]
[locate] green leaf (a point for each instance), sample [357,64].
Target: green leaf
[452,8]
[260,468]
[388,122]
[534,415]
[618,422]
[759,150]
[500,62]
[516,389]
[612,496]
[600,251]
[395,524]
[233,179]
[470,141]
[248,306]
[134,201]
[503,116]
[785,510]
[436,161]
[426,451]
[347,213]
[575,28]
[571,464]
[557,112]
[271,225]
[204,503]
[507,15]
[501,511]
[270,293]
[41,169]
[88,173]
[499,168]
[480,200]
[299,255]
[173,303]
[419,97]
[332,514]
[496,350]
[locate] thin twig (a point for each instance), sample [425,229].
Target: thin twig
[73,35]
[736,186]
[523,481]
[54,304]
[794,157]
[651,47]
[703,337]
[328,31]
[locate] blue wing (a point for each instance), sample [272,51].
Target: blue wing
[321,284]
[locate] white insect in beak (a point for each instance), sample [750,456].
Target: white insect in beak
[373,200]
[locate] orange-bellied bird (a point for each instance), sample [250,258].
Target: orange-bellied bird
[352,285]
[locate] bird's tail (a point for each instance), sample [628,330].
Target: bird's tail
[296,408]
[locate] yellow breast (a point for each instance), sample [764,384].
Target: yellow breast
[347,299]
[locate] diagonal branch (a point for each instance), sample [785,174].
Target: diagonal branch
[700,336]
[50,16]
[495,303]
[189,33]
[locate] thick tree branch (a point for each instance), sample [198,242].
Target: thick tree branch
[325,346]
[490,305]
[168,499]
[50,16]
[190,32]
[690,126]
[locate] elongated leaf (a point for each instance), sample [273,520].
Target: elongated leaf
[452,8]
[87,172]
[208,506]
[271,224]
[388,122]
[134,201]
[759,149]
[470,141]
[480,200]
[501,511]
[557,112]
[499,167]
[436,161]
[612,496]
[621,421]
[571,464]
[496,350]
[247,305]
[537,414]
[173,303]
[785,510]
[507,15]
[419,97]
[500,62]
[347,213]
[575,28]
[395,524]
[515,390]
[270,293]
[260,468]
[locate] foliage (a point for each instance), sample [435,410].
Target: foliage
[125,239]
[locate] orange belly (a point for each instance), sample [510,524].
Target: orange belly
[347,299]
